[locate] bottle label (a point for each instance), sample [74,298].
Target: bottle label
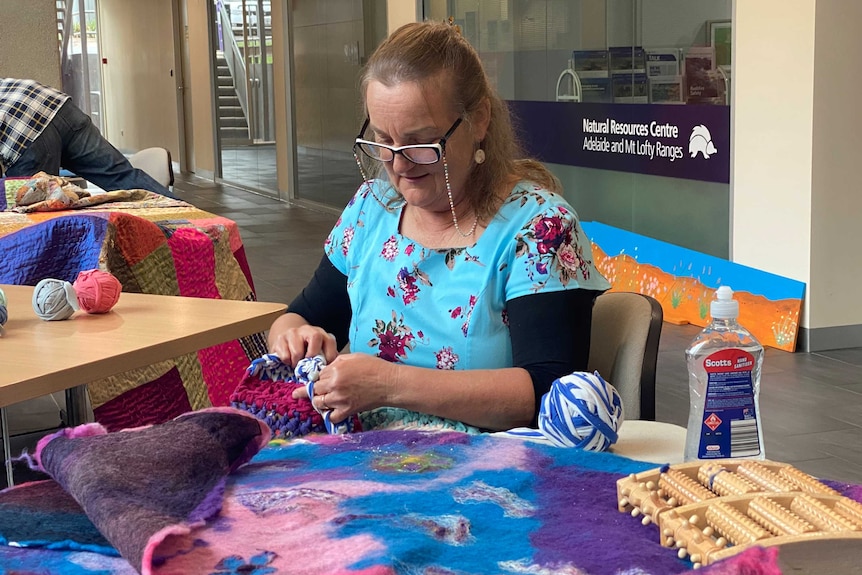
[729,427]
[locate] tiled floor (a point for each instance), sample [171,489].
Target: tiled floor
[811,403]
[325,177]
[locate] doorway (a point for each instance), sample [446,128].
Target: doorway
[244,92]
[331,42]
[79,56]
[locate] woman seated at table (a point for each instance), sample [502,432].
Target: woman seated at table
[461,279]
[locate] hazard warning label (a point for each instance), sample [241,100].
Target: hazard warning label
[712,422]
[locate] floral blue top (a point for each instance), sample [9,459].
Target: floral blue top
[446,308]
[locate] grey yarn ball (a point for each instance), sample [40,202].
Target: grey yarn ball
[54,299]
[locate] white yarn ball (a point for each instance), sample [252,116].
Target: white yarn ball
[581,410]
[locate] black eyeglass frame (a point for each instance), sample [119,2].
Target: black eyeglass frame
[439,147]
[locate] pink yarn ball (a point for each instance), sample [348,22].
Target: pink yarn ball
[97,291]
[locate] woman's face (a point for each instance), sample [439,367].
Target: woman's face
[407,113]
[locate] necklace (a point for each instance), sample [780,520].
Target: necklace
[452,205]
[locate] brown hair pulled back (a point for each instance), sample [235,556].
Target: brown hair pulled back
[419,52]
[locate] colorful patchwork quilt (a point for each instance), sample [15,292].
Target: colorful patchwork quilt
[206,494]
[156,245]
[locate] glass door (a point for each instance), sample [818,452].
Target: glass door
[79,56]
[330,43]
[245,118]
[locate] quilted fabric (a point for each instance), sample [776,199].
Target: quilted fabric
[158,246]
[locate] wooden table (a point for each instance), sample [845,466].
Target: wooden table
[653,441]
[39,357]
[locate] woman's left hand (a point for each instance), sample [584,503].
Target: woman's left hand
[352,383]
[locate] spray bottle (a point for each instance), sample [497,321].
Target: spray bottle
[724,364]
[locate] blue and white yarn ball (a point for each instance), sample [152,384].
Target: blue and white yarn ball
[581,410]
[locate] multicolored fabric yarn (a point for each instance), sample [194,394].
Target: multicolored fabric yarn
[266,391]
[581,410]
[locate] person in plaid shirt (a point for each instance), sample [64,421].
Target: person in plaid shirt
[41,129]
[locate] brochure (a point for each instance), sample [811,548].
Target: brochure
[703,83]
[590,63]
[627,59]
[630,88]
[596,90]
[666,90]
[663,61]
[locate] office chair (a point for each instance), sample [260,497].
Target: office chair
[156,162]
[626,329]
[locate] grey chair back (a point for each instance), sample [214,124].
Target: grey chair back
[624,340]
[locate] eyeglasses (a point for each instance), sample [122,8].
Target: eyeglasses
[417,153]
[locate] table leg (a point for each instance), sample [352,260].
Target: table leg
[7,447]
[76,405]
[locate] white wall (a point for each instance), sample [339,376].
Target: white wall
[28,41]
[797,140]
[772,119]
[138,74]
[398,13]
[836,231]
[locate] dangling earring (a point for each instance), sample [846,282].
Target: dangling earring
[479,156]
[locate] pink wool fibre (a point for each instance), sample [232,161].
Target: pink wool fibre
[753,561]
[97,291]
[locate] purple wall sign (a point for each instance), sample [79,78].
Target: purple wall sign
[678,141]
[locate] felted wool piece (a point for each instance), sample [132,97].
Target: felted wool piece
[753,561]
[425,502]
[42,514]
[387,502]
[140,485]
[51,562]
[54,190]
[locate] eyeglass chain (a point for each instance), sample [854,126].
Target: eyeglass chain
[452,204]
[448,194]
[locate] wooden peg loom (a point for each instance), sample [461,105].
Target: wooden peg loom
[710,510]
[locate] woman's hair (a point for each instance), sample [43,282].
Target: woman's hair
[419,52]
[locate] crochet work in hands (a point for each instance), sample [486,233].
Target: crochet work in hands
[266,391]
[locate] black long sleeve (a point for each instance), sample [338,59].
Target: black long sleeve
[324,302]
[551,335]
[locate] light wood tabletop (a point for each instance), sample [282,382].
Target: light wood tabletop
[38,357]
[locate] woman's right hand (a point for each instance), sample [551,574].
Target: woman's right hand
[291,338]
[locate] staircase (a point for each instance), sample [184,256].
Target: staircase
[232,125]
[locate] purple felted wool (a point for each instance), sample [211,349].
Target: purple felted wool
[112,475]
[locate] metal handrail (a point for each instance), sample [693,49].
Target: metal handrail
[234,59]
[67,27]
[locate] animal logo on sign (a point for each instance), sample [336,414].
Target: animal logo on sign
[701,141]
